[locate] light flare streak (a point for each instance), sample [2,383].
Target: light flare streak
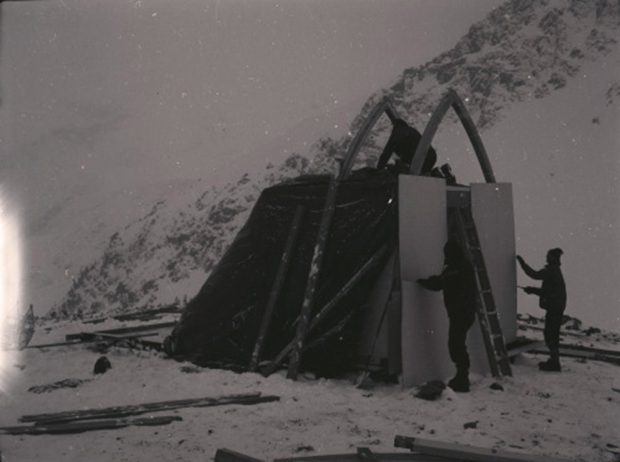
[11,305]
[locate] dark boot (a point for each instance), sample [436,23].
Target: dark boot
[551,365]
[460,382]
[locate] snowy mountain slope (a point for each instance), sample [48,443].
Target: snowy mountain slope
[75,230]
[520,71]
[164,255]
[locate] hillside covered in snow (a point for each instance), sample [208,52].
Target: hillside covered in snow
[571,415]
[540,79]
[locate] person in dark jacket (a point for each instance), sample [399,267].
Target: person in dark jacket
[403,141]
[552,299]
[458,283]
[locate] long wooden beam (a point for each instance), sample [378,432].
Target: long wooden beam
[276,288]
[80,427]
[468,453]
[313,277]
[123,411]
[379,456]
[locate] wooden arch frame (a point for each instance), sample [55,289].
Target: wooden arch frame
[385,105]
[450,99]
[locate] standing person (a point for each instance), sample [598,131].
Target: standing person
[552,299]
[458,283]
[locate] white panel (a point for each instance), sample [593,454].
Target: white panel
[425,353]
[422,235]
[377,304]
[492,209]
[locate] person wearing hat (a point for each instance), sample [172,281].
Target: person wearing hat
[552,299]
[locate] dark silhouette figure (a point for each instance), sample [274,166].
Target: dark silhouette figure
[552,299]
[102,365]
[458,283]
[403,141]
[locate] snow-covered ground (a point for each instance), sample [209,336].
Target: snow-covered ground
[573,414]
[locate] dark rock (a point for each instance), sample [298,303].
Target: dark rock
[102,365]
[430,391]
[473,424]
[496,386]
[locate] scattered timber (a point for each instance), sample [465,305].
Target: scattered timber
[579,352]
[79,427]
[124,411]
[468,453]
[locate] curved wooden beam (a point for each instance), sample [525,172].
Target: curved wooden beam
[451,99]
[384,106]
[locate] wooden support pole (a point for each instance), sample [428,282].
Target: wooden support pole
[469,453]
[277,286]
[313,276]
[328,307]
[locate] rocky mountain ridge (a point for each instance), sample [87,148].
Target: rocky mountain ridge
[524,50]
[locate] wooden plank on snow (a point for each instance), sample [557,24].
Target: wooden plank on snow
[94,336]
[523,346]
[129,330]
[582,354]
[226,455]
[366,454]
[79,427]
[468,453]
[381,457]
[85,337]
[123,411]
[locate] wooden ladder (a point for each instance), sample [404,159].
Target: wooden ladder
[492,335]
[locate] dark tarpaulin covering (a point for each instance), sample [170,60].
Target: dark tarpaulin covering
[219,327]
